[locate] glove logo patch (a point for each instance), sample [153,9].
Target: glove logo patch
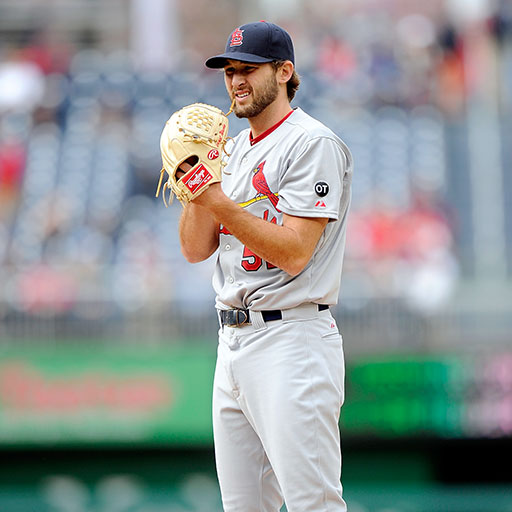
[213,154]
[237,38]
[321,188]
[198,179]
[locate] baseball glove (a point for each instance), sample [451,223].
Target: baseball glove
[195,134]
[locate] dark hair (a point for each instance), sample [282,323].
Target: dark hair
[293,84]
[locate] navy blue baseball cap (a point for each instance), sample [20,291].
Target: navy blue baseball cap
[257,42]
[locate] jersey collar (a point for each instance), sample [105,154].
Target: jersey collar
[269,130]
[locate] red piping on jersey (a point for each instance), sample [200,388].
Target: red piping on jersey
[269,131]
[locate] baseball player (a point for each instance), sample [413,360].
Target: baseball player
[278,221]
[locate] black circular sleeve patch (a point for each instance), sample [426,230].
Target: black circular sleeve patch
[321,188]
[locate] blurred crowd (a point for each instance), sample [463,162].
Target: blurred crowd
[79,155]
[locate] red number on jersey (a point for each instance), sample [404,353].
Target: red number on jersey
[250,261]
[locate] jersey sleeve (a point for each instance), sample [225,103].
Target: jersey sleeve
[312,184]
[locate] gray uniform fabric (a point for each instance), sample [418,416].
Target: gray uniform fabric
[288,171]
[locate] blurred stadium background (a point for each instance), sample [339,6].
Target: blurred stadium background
[107,335]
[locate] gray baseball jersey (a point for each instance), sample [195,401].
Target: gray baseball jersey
[301,168]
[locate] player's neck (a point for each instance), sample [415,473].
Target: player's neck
[269,117]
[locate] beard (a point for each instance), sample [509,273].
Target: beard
[260,100]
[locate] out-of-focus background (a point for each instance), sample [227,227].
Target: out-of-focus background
[107,335]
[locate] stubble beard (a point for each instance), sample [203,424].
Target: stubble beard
[260,100]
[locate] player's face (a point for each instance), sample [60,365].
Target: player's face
[254,86]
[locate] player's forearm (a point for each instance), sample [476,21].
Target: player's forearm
[275,244]
[199,233]
[279,245]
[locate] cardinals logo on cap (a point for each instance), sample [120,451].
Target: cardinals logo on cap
[237,38]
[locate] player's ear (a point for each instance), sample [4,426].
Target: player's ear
[285,71]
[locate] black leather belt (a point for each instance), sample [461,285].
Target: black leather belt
[237,317]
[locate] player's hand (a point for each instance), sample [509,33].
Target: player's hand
[208,196]
[211,196]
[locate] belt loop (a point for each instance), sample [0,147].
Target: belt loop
[219,317]
[257,320]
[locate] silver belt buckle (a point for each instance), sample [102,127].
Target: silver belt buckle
[236,317]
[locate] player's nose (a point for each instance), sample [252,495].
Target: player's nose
[237,80]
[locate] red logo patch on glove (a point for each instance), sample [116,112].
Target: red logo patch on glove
[200,177]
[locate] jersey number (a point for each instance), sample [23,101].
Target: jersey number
[251,262]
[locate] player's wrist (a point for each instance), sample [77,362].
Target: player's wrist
[211,198]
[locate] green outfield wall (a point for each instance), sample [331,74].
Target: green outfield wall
[122,396]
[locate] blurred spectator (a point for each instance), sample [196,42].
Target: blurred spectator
[502,22]
[12,163]
[451,83]
[48,50]
[41,290]
[336,60]
[427,269]
[21,82]
[408,253]
[385,73]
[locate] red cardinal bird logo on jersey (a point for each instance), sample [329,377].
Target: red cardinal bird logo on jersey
[259,182]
